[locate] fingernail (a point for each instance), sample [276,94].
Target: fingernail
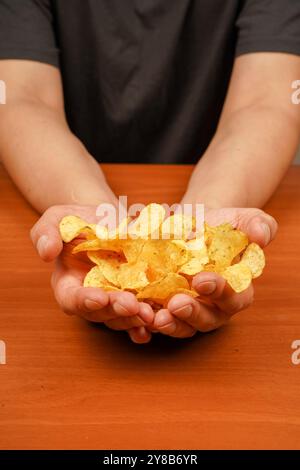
[120,310]
[185,311]
[206,288]
[141,330]
[92,304]
[267,232]
[146,315]
[162,319]
[42,245]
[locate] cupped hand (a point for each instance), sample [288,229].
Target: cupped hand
[184,316]
[117,310]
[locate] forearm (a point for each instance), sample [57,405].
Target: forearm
[246,160]
[46,161]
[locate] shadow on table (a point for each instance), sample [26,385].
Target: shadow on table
[159,347]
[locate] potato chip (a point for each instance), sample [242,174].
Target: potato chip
[238,276]
[132,249]
[190,292]
[147,224]
[254,259]
[133,275]
[211,231]
[163,255]
[192,267]
[95,245]
[71,226]
[154,274]
[98,256]
[120,232]
[210,267]
[197,257]
[95,278]
[160,290]
[108,266]
[177,226]
[224,246]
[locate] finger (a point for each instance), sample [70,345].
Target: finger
[45,235]
[88,302]
[125,323]
[260,227]
[139,335]
[199,316]
[145,315]
[169,325]
[124,304]
[213,287]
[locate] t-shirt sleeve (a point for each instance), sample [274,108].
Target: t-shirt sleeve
[269,26]
[27,31]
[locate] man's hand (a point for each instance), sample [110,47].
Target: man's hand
[184,316]
[117,310]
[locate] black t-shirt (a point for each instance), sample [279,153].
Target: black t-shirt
[145,80]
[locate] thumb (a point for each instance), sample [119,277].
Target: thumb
[45,235]
[260,227]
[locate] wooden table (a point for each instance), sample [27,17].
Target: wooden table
[70,385]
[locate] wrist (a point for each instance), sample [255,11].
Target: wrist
[216,196]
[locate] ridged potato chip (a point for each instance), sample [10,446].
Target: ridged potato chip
[160,290]
[109,267]
[238,276]
[132,249]
[95,278]
[71,226]
[197,257]
[96,245]
[177,226]
[133,276]
[148,222]
[254,259]
[224,246]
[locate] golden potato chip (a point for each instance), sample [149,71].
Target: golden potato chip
[120,232]
[109,267]
[95,278]
[224,246]
[197,244]
[190,292]
[160,290]
[238,276]
[197,257]
[210,231]
[147,224]
[132,249]
[95,245]
[71,226]
[98,256]
[163,254]
[133,275]
[210,267]
[177,226]
[154,274]
[254,259]
[192,267]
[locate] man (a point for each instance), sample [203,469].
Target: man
[164,81]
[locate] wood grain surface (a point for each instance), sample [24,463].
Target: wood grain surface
[68,384]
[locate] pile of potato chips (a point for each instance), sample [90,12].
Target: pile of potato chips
[154,257]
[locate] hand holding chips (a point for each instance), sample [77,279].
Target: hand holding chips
[153,257]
